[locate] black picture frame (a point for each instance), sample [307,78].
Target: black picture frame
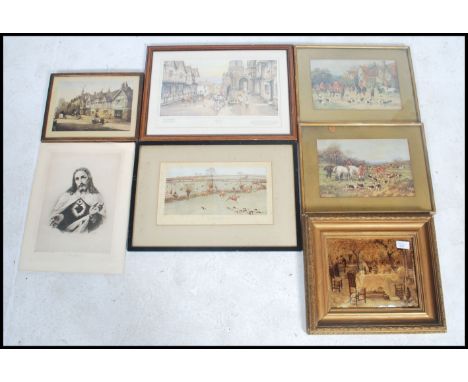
[297,200]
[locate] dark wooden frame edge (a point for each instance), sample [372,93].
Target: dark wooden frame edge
[94,139]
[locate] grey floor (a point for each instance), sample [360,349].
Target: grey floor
[238,298]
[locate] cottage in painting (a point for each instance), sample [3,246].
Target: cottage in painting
[180,82]
[357,84]
[110,104]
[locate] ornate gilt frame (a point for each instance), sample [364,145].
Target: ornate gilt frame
[321,319]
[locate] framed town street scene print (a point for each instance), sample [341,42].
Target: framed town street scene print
[217,196]
[219,92]
[371,168]
[79,206]
[372,273]
[355,84]
[93,107]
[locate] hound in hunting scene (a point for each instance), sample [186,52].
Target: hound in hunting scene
[364,168]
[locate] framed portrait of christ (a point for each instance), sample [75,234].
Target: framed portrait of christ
[78,209]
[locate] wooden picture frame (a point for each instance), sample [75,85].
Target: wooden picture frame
[219,92]
[79,207]
[93,107]
[398,292]
[365,168]
[243,196]
[355,83]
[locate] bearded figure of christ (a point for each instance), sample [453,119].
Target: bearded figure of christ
[80,208]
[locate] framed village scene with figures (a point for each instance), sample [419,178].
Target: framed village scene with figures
[219,92]
[372,273]
[218,196]
[93,107]
[364,168]
[355,84]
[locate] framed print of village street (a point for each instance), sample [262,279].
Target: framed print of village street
[93,107]
[228,195]
[219,92]
[355,84]
[367,168]
[372,273]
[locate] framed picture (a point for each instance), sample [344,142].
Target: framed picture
[219,92]
[218,196]
[93,107]
[372,274]
[367,168]
[356,84]
[79,208]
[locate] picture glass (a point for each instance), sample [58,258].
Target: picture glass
[93,106]
[219,92]
[371,273]
[364,168]
[215,193]
[355,84]
[219,87]
[215,196]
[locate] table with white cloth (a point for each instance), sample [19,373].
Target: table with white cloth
[376,281]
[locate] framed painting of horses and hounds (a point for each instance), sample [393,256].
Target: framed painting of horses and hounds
[223,196]
[372,273]
[93,107]
[355,84]
[219,92]
[376,168]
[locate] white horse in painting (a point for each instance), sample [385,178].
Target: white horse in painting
[341,172]
[353,172]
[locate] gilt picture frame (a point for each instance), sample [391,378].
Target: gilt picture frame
[372,274]
[219,92]
[78,210]
[210,196]
[93,107]
[355,83]
[365,168]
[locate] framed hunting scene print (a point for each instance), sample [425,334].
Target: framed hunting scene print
[365,169]
[219,196]
[93,107]
[219,92]
[372,273]
[79,207]
[355,84]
